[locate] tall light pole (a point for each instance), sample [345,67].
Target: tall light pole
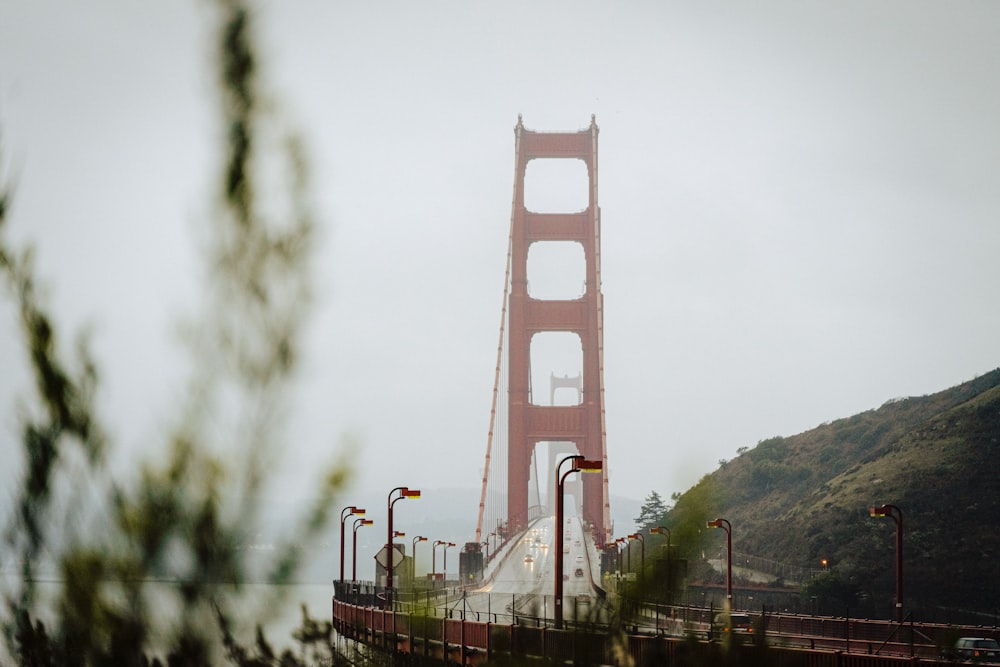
[660,530]
[350,510]
[896,515]
[612,560]
[579,464]
[725,525]
[404,492]
[354,546]
[395,534]
[413,568]
[642,544]
[434,561]
[444,565]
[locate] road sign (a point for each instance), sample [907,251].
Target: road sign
[382,557]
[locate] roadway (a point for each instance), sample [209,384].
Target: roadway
[520,581]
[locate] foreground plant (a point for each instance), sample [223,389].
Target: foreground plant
[187,516]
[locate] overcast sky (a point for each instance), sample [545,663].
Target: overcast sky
[800,209]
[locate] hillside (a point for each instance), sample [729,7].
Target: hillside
[801,499]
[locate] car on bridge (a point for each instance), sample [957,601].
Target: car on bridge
[578,572]
[735,622]
[977,649]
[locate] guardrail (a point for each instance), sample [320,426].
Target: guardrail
[467,642]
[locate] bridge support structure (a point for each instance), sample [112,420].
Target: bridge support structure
[582,424]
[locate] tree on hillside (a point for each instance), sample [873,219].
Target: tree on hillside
[652,511]
[184,517]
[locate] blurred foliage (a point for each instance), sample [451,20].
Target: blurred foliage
[691,511]
[186,517]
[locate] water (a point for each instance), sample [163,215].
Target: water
[317,599]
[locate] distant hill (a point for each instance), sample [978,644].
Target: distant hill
[799,500]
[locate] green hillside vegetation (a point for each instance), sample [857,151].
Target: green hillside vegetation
[802,499]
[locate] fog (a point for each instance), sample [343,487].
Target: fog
[799,203]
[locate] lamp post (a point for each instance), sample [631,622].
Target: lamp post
[660,530]
[404,492]
[611,554]
[444,565]
[350,510]
[434,561]
[395,534]
[896,515]
[413,550]
[642,551]
[493,535]
[579,464]
[354,546]
[725,525]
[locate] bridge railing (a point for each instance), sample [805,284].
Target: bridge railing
[852,635]
[465,642]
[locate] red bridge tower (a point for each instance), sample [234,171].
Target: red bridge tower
[581,424]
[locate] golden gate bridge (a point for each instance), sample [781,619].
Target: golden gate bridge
[494,609]
[520,419]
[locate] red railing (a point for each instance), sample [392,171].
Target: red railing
[469,642]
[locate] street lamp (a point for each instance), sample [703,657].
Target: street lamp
[444,565]
[642,543]
[579,464]
[660,530]
[395,534]
[611,556]
[350,510]
[413,562]
[896,515]
[725,525]
[354,546]
[434,561]
[404,492]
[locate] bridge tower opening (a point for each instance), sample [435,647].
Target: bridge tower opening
[581,423]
